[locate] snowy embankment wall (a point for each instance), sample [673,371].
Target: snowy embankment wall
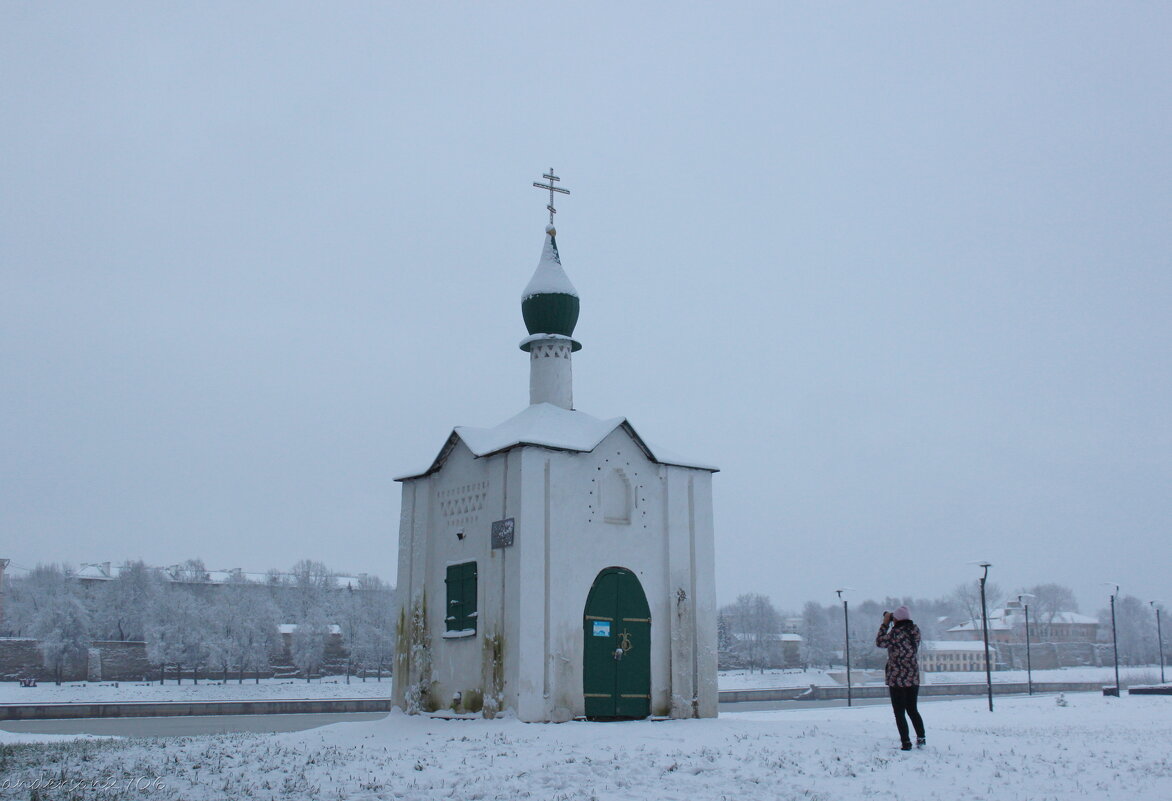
[21,658]
[107,661]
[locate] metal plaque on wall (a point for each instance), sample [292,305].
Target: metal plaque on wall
[502,533]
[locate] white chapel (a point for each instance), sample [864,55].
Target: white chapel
[556,565]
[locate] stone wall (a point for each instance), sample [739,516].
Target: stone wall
[21,658]
[122,661]
[1049,655]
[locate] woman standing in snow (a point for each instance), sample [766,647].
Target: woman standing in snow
[902,642]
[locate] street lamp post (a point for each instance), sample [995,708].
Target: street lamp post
[1029,666]
[1115,640]
[1159,639]
[846,623]
[985,626]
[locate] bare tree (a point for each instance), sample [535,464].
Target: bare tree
[967,597]
[1048,603]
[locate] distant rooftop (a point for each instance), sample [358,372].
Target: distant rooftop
[107,571]
[962,645]
[1013,616]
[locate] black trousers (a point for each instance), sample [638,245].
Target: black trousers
[903,699]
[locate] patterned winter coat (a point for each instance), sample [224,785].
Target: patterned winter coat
[903,644]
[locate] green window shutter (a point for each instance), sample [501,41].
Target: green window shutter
[470,596]
[461,597]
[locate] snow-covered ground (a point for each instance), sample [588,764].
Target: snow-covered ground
[1029,749]
[268,689]
[743,680]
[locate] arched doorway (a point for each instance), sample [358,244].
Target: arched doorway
[616,661]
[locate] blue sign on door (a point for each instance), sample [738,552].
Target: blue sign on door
[601,628]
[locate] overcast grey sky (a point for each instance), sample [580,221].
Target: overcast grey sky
[900,269]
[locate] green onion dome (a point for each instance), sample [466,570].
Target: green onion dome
[549,303]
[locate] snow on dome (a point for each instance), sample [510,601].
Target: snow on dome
[549,278]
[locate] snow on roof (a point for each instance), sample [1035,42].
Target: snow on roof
[1073,617]
[549,278]
[995,624]
[548,426]
[783,637]
[289,628]
[1004,619]
[106,571]
[939,645]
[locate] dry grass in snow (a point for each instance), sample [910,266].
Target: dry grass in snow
[1029,749]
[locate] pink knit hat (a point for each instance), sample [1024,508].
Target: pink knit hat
[901,613]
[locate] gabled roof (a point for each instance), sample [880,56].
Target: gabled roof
[951,645]
[548,426]
[1004,619]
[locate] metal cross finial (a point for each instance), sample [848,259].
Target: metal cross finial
[549,176]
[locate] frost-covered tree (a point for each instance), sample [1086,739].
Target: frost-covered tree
[348,614]
[1135,627]
[755,624]
[259,637]
[375,640]
[178,632]
[818,641]
[246,627]
[220,632]
[313,590]
[865,617]
[191,571]
[363,610]
[53,612]
[123,605]
[308,645]
[725,657]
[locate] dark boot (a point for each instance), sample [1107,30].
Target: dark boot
[921,742]
[906,746]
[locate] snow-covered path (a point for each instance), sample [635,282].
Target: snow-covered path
[1029,749]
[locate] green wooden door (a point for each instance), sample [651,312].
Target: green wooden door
[616,670]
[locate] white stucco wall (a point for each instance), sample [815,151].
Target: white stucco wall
[534,593]
[551,377]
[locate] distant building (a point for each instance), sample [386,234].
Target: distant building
[1007,625]
[94,573]
[941,656]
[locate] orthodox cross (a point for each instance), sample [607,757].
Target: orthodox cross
[549,176]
